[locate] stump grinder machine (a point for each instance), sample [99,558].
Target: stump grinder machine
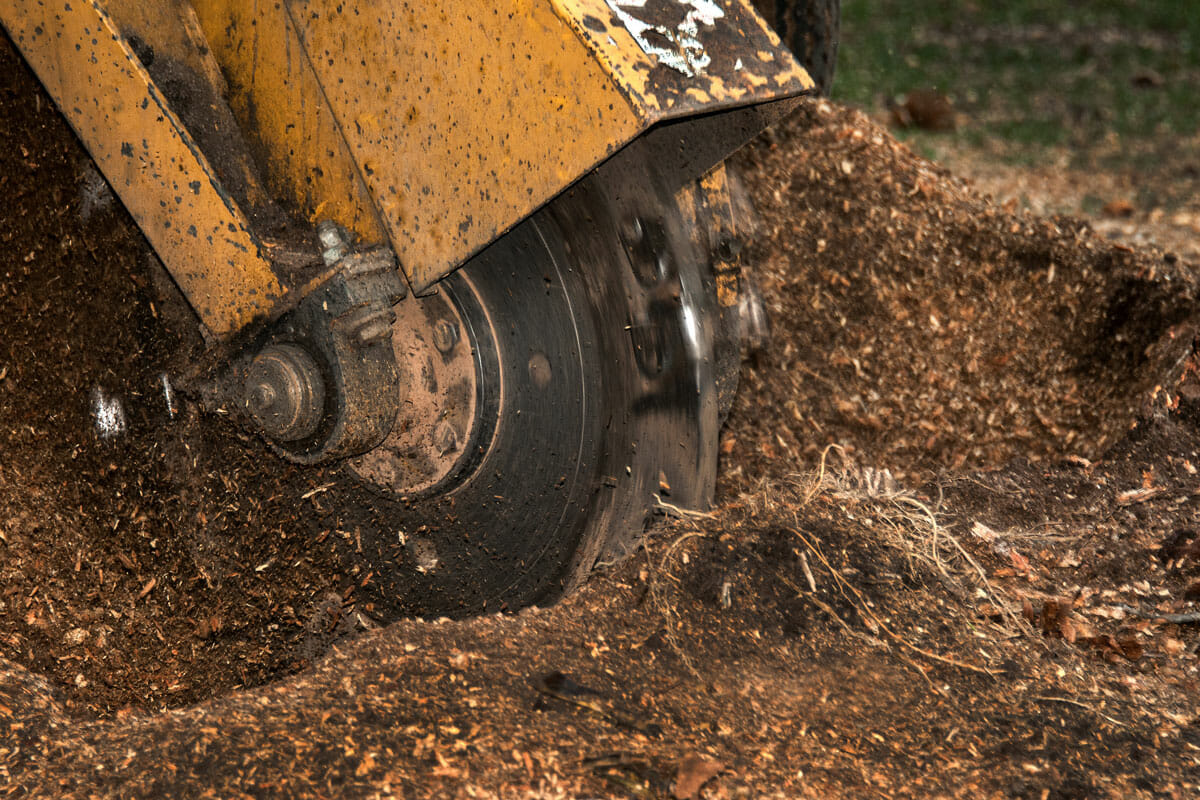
[480,257]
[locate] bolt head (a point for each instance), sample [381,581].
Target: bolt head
[334,244]
[262,397]
[329,234]
[728,248]
[632,231]
[445,335]
[446,438]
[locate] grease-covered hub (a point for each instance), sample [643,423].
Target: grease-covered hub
[285,393]
[445,346]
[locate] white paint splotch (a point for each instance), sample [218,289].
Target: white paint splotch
[680,47]
[108,414]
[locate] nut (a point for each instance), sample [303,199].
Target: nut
[333,241]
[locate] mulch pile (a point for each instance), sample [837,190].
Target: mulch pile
[928,328]
[910,613]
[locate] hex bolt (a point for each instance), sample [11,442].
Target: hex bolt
[376,329]
[646,245]
[262,397]
[445,438]
[728,248]
[333,241]
[445,335]
[329,234]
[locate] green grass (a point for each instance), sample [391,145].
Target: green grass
[1048,73]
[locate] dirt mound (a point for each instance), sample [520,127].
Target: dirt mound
[805,642]
[926,328]
[833,630]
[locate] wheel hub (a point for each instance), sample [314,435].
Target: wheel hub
[445,346]
[285,393]
[543,396]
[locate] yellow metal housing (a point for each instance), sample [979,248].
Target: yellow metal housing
[457,120]
[430,127]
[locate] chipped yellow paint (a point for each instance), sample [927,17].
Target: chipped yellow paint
[727,289]
[439,126]
[746,55]
[171,31]
[714,191]
[715,188]
[147,156]
[433,127]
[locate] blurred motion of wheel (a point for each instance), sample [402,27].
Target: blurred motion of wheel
[588,388]
[810,29]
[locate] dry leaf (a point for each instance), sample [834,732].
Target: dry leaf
[1019,562]
[1027,611]
[1128,645]
[1069,559]
[1083,631]
[1055,619]
[1118,208]
[925,108]
[1173,647]
[1146,78]
[1107,612]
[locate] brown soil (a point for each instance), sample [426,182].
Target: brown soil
[965,598]
[1144,195]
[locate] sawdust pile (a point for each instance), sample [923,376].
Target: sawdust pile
[881,618]
[927,328]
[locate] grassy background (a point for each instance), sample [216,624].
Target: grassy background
[1034,74]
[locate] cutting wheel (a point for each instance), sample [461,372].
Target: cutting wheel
[574,362]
